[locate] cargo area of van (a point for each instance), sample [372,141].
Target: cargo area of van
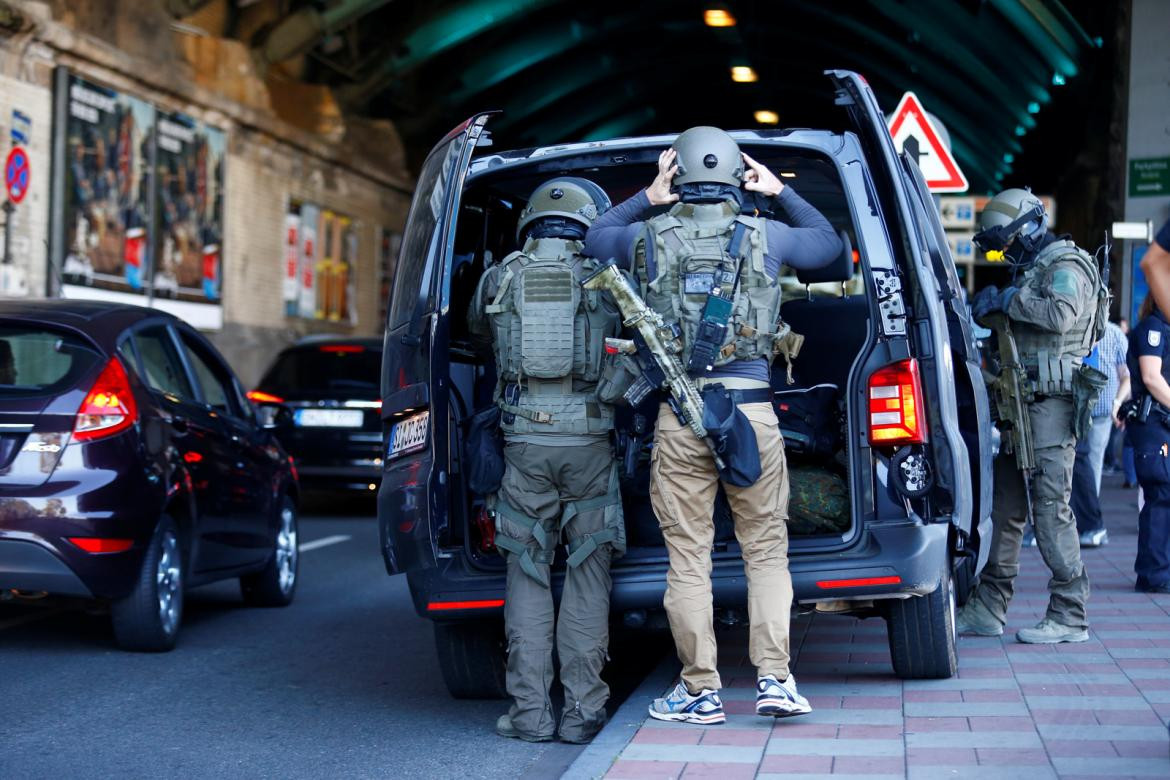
[828,307]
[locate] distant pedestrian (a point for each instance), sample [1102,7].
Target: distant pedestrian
[1109,357]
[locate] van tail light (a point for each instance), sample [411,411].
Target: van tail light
[260,397]
[895,405]
[109,407]
[95,545]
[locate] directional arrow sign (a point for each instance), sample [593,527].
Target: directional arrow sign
[938,166]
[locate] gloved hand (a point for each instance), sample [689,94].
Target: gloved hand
[991,300]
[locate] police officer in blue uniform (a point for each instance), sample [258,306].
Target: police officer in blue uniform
[1149,435]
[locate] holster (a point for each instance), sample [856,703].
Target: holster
[1087,385]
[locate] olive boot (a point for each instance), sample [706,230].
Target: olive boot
[1049,632]
[975,618]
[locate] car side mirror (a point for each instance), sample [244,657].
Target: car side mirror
[273,415]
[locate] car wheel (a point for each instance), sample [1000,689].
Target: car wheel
[471,657]
[923,642]
[276,583]
[148,619]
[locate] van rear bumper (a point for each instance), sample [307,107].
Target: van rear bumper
[892,561]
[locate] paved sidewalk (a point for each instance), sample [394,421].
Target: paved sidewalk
[1097,709]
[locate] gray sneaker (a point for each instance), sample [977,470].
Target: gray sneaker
[1098,538]
[1049,632]
[974,618]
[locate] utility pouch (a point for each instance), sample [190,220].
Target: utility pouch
[710,334]
[787,345]
[733,437]
[511,398]
[1087,385]
[483,452]
[617,376]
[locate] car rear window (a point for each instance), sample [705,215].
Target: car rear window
[329,369]
[36,360]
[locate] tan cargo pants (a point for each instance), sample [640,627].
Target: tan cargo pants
[683,485]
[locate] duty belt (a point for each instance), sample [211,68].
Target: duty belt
[757,395]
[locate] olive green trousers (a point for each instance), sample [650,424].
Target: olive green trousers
[540,487]
[1056,528]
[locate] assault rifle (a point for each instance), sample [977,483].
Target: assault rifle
[656,348]
[1012,394]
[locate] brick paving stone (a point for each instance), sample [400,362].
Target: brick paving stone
[795,729]
[982,773]
[1107,689]
[995,696]
[868,765]
[969,672]
[1095,703]
[836,747]
[850,731]
[933,696]
[976,739]
[1050,689]
[704,770]
[963,709]
[876,717]
[636,770]
[963,684]
[725,736]
[1002,723]
[661,736]
[872,703]
[1080,747]
[928,725]
[797,764]
[1112,767]
[1144,749]
[1112,733]
[928,756]
[1011,756]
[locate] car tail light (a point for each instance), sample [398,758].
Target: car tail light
[95,545]
[110,406]
[350,348]
[895,405]
[260,397]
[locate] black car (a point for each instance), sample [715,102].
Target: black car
[133,467]
[335,433]
[886,332]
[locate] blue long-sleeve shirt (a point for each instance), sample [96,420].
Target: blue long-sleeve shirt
[810,242]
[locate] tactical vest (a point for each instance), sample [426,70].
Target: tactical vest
[549,337]
[1052,359]
[690,253]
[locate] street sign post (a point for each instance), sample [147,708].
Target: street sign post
[910,123]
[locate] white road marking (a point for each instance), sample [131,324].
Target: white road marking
[316,544]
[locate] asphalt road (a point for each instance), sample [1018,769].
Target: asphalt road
[341,683]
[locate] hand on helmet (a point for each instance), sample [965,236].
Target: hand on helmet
[757,178]
[659,190]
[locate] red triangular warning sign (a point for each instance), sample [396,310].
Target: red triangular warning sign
[938,166]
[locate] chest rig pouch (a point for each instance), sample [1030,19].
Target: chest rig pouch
[709,276]
[549,338]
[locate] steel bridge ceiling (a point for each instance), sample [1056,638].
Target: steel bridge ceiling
[565,71]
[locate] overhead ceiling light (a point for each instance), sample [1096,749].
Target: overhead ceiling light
[767,117]
[718,17]
[788,174]
[743,74]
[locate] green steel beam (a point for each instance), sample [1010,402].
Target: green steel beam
[1022,17]
[444,31]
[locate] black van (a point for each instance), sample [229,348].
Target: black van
[886,324]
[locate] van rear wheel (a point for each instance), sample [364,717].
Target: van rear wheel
[923,642]
[471,657]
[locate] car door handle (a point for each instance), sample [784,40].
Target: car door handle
[179,424]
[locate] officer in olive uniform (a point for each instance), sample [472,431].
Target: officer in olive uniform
[1054,311]
[560,476]
[704,261]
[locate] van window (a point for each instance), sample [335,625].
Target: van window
[421,237]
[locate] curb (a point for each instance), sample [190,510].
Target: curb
[600,754]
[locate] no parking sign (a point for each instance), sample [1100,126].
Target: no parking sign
[16,174]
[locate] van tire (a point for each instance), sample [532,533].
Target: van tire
[921,629]
[471,657]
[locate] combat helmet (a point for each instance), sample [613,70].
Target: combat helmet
[570,204]
[707,155]
[1012,215]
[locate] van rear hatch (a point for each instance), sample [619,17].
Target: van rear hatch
[44,375]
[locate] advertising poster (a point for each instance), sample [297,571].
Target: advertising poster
[107,147]
[292,256]
[190,207]
[307,299]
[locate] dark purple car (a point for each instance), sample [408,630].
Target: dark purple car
[133,467]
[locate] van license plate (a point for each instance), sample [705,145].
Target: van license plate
[409,434]
[328,418]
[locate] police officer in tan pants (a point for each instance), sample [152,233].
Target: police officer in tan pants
[702,248]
